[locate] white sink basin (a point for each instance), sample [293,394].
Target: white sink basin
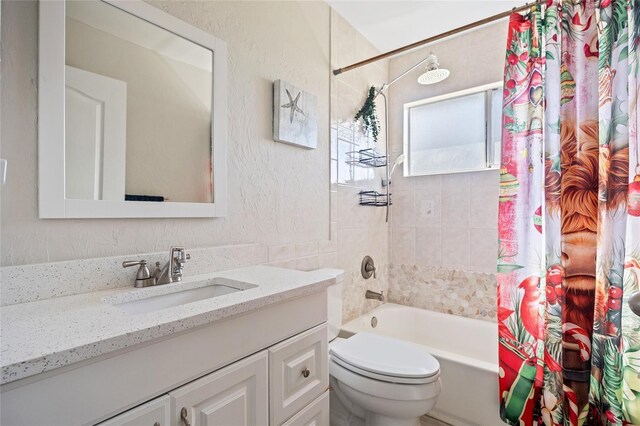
[210,288]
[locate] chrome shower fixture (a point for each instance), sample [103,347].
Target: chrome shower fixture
[434,73]
[399,160]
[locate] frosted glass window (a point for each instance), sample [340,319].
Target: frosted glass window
[496,127]
[454,133]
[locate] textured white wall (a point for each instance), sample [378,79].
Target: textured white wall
[278,194]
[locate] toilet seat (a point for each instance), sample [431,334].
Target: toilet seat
[385,359]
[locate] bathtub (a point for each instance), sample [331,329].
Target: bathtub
[467,350]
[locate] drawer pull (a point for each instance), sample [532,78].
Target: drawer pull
[305,373]
[156,424]
[184,416]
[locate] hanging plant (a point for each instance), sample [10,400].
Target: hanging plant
[370,120]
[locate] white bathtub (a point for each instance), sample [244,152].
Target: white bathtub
[467,350]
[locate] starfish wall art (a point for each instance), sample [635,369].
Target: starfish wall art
[294,116]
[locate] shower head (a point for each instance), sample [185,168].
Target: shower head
[399,160]
[434,73]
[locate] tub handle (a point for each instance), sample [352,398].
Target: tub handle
[368,268]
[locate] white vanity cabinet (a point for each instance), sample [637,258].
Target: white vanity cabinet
[257,368]
[286,384]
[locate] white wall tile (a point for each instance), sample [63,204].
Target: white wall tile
[334,205]
[428,246]
[484,250]
[307,249]
[327,246]
[402,210]
[483,205]
[428,201]
[328,260]
[455,248]
[455,200]
[403,246]
[281,252]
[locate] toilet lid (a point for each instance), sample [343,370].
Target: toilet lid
[385,356]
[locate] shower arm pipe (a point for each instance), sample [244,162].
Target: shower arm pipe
[440,36]
[386,85]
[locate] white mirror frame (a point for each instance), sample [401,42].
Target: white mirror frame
[51,132]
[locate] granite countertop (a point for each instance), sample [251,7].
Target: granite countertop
[41,336]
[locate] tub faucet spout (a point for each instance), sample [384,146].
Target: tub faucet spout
[374,295]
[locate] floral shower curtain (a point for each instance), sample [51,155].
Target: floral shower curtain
[569,216]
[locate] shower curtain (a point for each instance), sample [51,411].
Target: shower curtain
[569,216]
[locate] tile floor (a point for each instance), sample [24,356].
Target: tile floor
[430,421]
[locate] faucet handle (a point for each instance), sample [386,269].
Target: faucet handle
[183,257]
[143,276]
[179,253]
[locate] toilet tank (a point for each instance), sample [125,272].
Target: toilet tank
[334,303]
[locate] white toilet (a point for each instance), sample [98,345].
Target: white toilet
[377,380]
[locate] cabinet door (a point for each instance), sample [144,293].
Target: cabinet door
[236,395]
[298,372]
[314,414]
[152,413]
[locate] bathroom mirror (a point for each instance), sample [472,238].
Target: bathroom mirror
[132,114]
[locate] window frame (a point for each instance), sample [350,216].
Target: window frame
[489,152]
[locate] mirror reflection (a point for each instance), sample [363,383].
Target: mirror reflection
[137,109]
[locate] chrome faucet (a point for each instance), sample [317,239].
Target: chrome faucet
[374,295]
[171,273]
[172,270]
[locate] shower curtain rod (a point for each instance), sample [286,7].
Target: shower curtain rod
[437,37]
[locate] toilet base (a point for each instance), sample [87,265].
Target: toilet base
[341,416]
[344,412]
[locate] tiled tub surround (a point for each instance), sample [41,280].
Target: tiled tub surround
[444,236]
[468,294]
[357,230]
[48,334]
[444,243]
[448,221]
[362,232]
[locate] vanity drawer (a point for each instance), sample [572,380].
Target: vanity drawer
[314,414]
[298,373]
[152,413]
